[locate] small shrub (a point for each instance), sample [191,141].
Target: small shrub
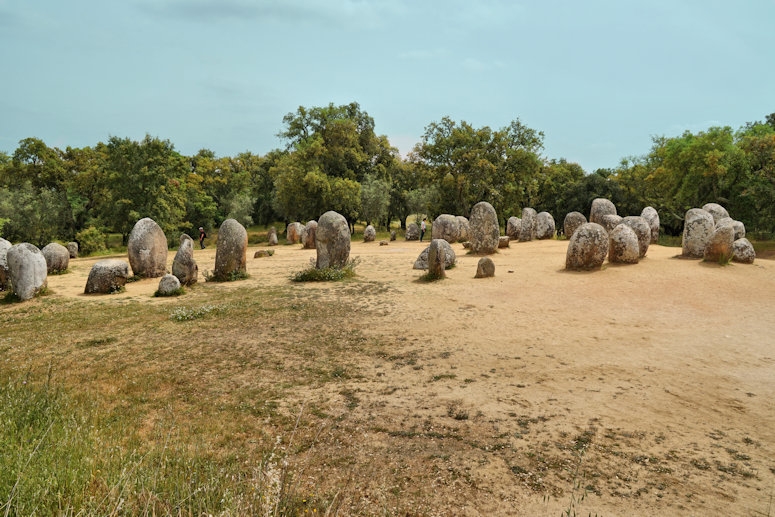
[328,274]
[91,240]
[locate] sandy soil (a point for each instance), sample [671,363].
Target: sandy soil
[662,372]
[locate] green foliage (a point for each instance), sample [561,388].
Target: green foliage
[91,240]
[375,199]
[328,274]
[231,276]
[177,292]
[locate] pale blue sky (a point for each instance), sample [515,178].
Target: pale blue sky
[599,77]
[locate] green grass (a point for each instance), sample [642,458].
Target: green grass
[327,274]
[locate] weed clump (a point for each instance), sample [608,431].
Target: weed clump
[327,274]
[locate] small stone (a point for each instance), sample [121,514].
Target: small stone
[485,268]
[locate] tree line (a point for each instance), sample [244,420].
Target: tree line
[334,160]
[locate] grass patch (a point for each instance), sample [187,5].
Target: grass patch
[231,276]
[177,292]
[327,274]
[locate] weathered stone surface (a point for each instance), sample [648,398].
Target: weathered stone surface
[383,243]
[610,221]
[293,233]
[450,257]
[739,228]
[437,258]
[231,250]
[168,285]
[698,229]
[57,257]
[600,207]
[503,241]
[72,249]
[527,231]
[147,249]
[545,227]
[719,246]
[572,221]
[309,234]
[332,240]
[263,253]
[623,245]
[587,248]
[184,267]
[107,276]
[446,227]
[513,226]
[369,234]
[484,228]
[642,230]
[651,216]
[464,228]
[392,235]
[271,236]
[4,247]
[742,251]
[485,268]
[27,272]
[717,211]
[412,232]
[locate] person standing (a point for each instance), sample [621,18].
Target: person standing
[422,229]
[202,236]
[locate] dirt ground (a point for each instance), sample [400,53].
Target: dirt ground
[649,389]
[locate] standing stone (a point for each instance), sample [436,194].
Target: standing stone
[698,229]
[332,241]
[717,211]
[572,221]
[369,234]
[719,246]
[642,230]
[503,241]
[600,207]
[449,260]
[4,247]
[168,285]
[72,249]
[271,236]
[739,228]
[485,230]
[147,249]
[651,216]
[742,251]
[26,270]
[545,227]
[231,250]
[464,228]
[446,227]
[527,231]
[513,226]
[610,221]
[587,247]
[293,233]
[437,258]
[184,266]
[308,235]
[412,232]
[57,257]
[485,268]
[107,276]
[623,245]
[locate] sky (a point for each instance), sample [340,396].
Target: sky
[599,78]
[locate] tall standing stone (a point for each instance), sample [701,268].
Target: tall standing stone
[464,228]
[332,241]
[527,230]
[26,270]
[623,245]
[436,258]
[717,211]
[698,229]
[271,236]
[231,250]
[484,228]
[572,221]
[369,234]
[610,221]
[72,248]
[293,233]
[719,247]
[412,232]
[545,227]
[513,226]
[184,267]
[147,249]
[587,247]
[4,247]
[308,235]
[57,257]
[651,216]
[642,230]
[600,207]
[446,227]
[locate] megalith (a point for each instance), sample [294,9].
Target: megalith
[27,272]
[445,227]
[271,236]
[600,207]
[717,211]
[610,221]
[545,227]
[4,247]
[587,248]
[168,285]
[231,251]
[484,228]
[293,233]
[651,216]
[184,267]
[503,241]
[72,248]
[719,246]
[147,249]
[437,258]
[698,229]
[642,230]
[742,251]
[332,241]
[449,257]
[464,228]
[485,268]
[571,222]
[623,245]
[513,226]
[57,257]
[412,232]
[308,234]
[527,231]
[107,276]
[369,234]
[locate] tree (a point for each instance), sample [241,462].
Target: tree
[375,199]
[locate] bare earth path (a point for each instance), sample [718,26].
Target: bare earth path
[662,373]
